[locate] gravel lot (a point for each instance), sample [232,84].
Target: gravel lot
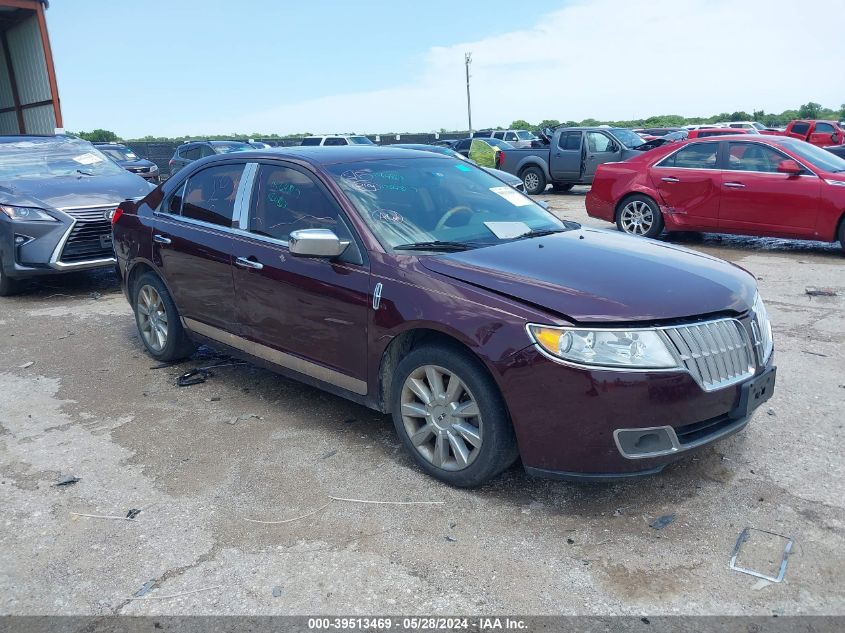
[79,396]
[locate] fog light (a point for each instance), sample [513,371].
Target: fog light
[648,442]
[20,240]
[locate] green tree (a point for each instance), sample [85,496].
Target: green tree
[758,115]
[842,112]
[547,123]
[740,115]
[521,124]
[99,136]
[810,110]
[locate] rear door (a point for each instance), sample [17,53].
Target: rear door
[823,134]
[690,185]
[566,157]
[306,314]
[192,244]
[799,129]
[601,148]
[758,199]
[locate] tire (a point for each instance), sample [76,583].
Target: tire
[639,215]
[561,188]
[474,448]
[534,180]
[157,319]
[8,286]
[842,234]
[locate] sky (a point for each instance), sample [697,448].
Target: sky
[192,67]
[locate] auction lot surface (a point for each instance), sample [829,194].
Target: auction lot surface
[78,396]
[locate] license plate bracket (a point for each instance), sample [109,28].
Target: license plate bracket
[105,240]
[755,392]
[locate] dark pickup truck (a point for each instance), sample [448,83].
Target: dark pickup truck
[571,158]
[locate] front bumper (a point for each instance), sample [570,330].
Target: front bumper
[569,420]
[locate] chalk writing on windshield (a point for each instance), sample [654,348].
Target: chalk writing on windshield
[280,191]
[360,179]
[388,215]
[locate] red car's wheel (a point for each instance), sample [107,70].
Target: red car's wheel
[639,215]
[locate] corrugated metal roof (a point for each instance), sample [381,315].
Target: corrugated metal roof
[28,61]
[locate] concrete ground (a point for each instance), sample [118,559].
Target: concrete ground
[79,396]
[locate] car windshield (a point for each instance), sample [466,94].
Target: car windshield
[416,201]
[360,140]
[119,153]
[758,126]
[627,137]
[497,143]
[816,156]
[227,148]
[523,135]
[51,157]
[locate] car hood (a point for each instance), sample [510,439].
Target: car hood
[71,191]
[140,162]
[592,275]
[507,177]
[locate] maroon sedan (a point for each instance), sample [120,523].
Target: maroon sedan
[423,287]
[750,185]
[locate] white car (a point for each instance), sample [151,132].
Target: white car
[336,140]
[756,125]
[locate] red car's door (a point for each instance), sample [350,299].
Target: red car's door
[304,313]
[824,134]
[689,184]
[757,199]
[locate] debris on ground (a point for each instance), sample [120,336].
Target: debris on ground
[66,480]
[762,544]
[244,418]
[26,365]
[661,522]
[451,539]
[771,412]
[214,399]
[304,516]
[163,365]
[199,375]
[175,595]
[329,454]
[133,513]
[95,295]
[820,292]
[145,588]
[806,351]
[277,592]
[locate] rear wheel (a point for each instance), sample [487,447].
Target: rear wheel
[158,321]
[842,233]
[451,417]
[8,286]
[534,180]
[639,215]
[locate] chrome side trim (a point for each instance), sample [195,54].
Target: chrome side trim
[244,195]
[377,295]
[283,359]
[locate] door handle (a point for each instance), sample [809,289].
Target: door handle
[735,185]
[670,179]
[243,262]
[160,239]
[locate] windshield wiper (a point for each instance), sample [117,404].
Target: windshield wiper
[538,233]
[436,245]
[84,173]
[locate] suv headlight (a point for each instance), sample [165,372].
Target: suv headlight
[765,327]
[27,214]
[637,349]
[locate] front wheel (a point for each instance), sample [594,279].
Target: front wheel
[640,215]
[451,417]
[158,321]
[534,180]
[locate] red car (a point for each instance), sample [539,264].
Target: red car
[750,185]
[704,132]
[819,133]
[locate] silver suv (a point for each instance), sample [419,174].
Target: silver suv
[517,138]
[337,139]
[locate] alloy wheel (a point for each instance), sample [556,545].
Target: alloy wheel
[152,318]
[441,417]
[531,181]
[637,218]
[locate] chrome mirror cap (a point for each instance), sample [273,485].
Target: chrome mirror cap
[316,243]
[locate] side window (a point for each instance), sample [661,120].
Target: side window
[510,137]
[209,195]
[174,204]
[335,140]
[191,153]
[800,128]
[499,135]
[753,157]
[824,128]
[696,156]
[311,140]
[464,144]
[206,150]
[598,142]
[570,140]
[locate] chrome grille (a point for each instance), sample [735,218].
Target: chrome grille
[90,214]
[90,237]
[716,353]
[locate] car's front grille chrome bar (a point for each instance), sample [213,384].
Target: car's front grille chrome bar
[716,353]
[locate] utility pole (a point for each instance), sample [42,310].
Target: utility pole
[467,62]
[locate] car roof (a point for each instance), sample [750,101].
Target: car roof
[17,138]
[332,155]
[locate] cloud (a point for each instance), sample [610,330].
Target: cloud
[606,59]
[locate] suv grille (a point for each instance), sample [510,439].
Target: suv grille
[84,242]
[716,353]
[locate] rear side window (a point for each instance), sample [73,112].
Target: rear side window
[753,157]
[570,140]
[713,133]
[498,135]
[190,153]
[824,128]
[464,144]
[511,136]
[209,195]
[696,156]
[312,140]
[335,140]
[800,128]
[286,200]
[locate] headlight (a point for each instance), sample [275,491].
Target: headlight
[27,214]
[638,349]
[764,326]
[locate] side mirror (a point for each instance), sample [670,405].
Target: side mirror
[316,243]
[835,138]
[790,167]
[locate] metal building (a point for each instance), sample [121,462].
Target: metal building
[29,96]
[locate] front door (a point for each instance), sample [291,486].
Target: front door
[600,149]
[305,313]
[566,157]
[192,244]
[690,185]
[759,199]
